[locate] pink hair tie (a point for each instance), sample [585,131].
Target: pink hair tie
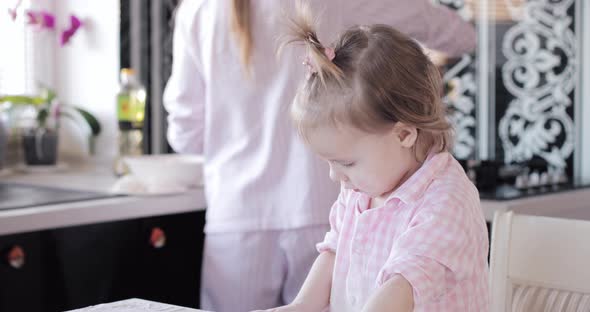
[330,54]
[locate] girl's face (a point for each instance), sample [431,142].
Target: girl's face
[375,164]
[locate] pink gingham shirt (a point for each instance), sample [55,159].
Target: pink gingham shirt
[431,230]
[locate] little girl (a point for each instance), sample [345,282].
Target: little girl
[407,231]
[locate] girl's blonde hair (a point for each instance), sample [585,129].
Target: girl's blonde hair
[378,77]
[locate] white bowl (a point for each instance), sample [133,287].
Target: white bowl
[167,170]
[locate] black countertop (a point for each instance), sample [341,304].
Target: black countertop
[508,192]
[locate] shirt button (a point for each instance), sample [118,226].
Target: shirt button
[353,300]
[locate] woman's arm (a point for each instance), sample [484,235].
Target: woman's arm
[184,95]
[394,295]
[446,31]
[434,26]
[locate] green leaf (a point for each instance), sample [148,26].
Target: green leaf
[91,120]
[22,99]
[92,123]
[42,117]
[48,95]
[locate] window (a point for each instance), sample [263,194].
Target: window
[16,61]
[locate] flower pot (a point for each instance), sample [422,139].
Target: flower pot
[40,147]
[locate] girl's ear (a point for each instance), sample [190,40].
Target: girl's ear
[407,135]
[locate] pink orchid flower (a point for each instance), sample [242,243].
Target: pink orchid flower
[12,12]
[67,34]
[55,108]
[43,19]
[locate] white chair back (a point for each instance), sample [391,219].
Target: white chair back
[539,264]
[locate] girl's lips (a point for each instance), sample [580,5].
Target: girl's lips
[350,187]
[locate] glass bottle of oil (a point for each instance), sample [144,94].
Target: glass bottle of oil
[130,115]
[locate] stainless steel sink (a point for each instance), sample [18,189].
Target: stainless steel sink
[13,195]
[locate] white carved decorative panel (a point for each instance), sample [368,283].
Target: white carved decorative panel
[531,56]
[461,91]
[540,75]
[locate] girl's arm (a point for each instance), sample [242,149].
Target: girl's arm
[315,292]
[394,295]
[314,295]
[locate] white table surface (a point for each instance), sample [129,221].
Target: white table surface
[135,305]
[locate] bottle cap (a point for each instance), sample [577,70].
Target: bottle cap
[127,71]
[127,75]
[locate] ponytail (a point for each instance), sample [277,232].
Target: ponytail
[302,30]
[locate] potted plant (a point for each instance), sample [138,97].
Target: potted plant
[39,135]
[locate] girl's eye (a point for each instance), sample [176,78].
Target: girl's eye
[350,164]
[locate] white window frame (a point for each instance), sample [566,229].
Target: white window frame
[33,63]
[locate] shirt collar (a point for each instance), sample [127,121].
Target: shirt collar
[413,188]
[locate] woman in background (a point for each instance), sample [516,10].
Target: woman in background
[228,98]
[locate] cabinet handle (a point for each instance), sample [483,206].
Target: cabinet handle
[157,238]
[16,257]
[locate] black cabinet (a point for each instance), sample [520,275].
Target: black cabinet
[168,247]
[26,274]
[156,258]
[94,262]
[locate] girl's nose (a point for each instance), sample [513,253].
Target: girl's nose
[333,175]
[337,176]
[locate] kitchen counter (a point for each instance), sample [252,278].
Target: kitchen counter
[572,204]
[99,178]
[95,178]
